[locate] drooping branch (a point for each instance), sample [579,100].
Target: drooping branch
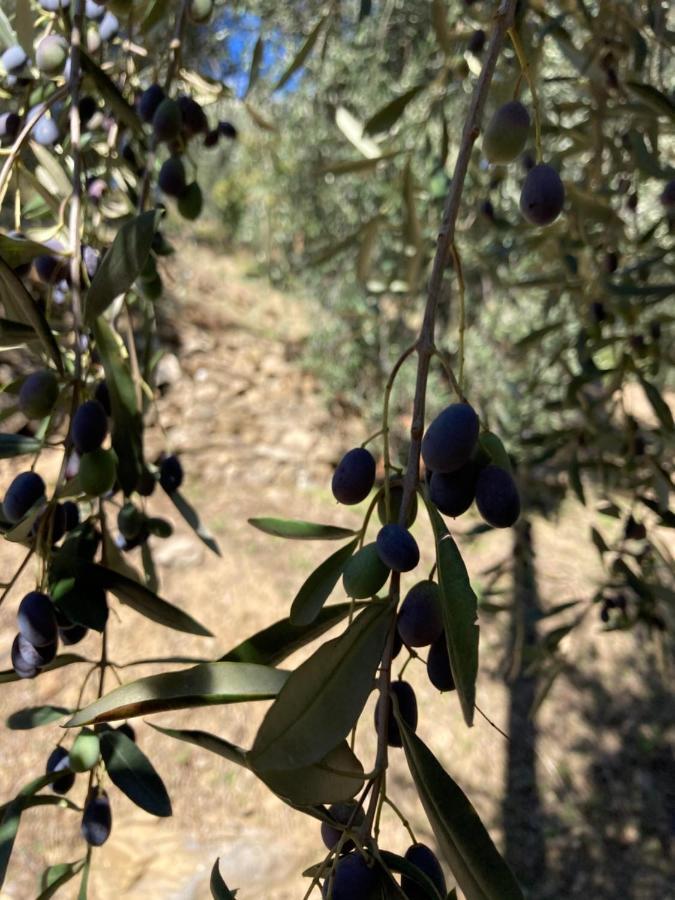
[446,237]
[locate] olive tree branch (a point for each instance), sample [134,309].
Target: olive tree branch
[446,237]
[425,348]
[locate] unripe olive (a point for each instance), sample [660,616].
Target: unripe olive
[38,394]
[97,472]
[365,573]
[85,752]
[200,11]
[506,132]
[191,201]
[51,55]
[166,121]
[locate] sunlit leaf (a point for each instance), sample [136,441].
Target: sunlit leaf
[54,877]
[122,264]
[302,54]
[300,531]
[208,684]
[384,118]
[35,716]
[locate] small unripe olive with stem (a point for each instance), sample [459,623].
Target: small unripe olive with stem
[364,573]
[51,55]
[85,752]
[191,202]
[199,11]
[166,122]
[38,394]
[395,500]
[97,472]
[506,132]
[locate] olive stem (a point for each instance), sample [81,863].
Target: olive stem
[526,71]
[462,312]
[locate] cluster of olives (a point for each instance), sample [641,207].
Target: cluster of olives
[355,877]
[458,471]
[175,122]
[51,60]
[542,196]
[85,753]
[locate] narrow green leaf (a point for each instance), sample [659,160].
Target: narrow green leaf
[34,716]
[7,33]
[356,166]
[256,62]
[54,877]
[658,404]
[107,89]
[144,601]
[332,780]
[208,684]
[132,772]
[157,10]
[192,518]
[11,818]
[273,644]
[459,605]
[17,445]
[20,306]
[44,800]
[384,118]
[84,883]
[17,251]
[480,871]
[319,586]
[300,531]
[219,890]
[653,98]
[127,434]
[324,697]
[495,449]
[15,334]
[302,54]
[206,741]
[122,264]
[64,659]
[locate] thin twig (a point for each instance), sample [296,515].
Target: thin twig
[425,344]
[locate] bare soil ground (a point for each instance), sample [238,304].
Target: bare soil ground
[256,438]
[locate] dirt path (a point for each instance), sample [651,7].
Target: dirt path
[256,438]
